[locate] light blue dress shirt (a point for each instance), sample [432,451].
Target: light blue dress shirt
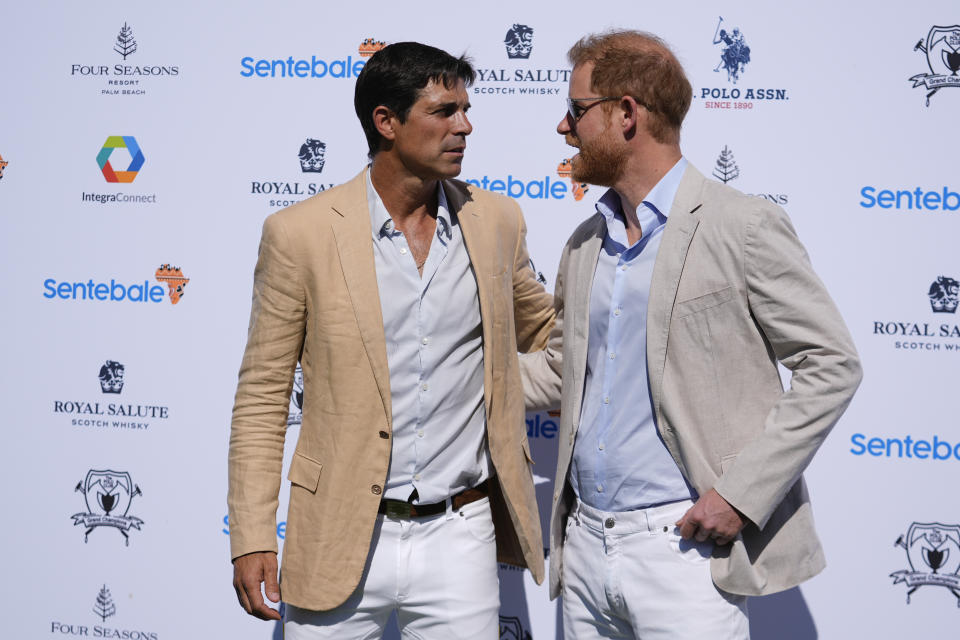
[435,355]
[619,461]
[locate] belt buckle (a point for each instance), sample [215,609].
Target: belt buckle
[397,509]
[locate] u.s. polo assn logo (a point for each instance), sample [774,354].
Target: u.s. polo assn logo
[108,495]
[942,49]
[933,552]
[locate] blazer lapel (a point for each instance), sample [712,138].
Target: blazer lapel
[482,258]
[681,225]
[583,268]
[355,249]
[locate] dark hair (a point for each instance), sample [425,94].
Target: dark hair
[638,64]
[394,76]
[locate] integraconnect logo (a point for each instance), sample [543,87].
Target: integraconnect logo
[123,78]
[726,170]
[942,50]
[108,495]
[933,553]
[312,67]
[926,334]
[734,57]
[134,415]
[520,79]
[312,156]
[117,291]
[120,160]
[104,607]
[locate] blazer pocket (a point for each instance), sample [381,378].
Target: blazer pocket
[700,303]
[305,472]
[726,461]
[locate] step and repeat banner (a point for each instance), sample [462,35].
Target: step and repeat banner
[143,144]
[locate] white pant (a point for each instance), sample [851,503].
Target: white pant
[438,573]
[630,575]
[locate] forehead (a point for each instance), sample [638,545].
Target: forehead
[436,93]
[580,81]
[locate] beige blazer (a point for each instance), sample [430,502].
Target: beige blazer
[732,294]
[315,300]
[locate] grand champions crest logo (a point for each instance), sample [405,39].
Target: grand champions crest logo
[942,49]
[933,553]
[108,495]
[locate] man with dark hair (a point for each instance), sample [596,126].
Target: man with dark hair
[679,486]
[406,295]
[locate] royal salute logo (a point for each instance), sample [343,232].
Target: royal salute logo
[933,553]
[927,334]
[512,629]
[104,608]
[111,377]
[312,153]
[174,279]
[295,416]
[519,42]
[734,56]
[313,67]
[565,170]
[520,80]
[3,165]
[943,295]
[108,495]
[124,78]
[312,157]
[942,49]
[726,168]
[370,46]
[97,412]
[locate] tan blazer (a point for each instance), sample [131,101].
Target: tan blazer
[732,293]
[315,299]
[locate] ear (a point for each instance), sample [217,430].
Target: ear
[385,122]
[629,115]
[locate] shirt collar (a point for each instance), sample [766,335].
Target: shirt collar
[382,224]
[660,199]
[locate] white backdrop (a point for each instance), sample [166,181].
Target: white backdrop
[841,122]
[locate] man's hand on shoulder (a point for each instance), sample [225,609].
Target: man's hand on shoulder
[711,517]
[249,572]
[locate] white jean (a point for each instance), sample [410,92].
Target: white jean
[630,575]
[438,573]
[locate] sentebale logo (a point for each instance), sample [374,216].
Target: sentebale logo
[565,170]
[370,46]
[3,165]
[136,159]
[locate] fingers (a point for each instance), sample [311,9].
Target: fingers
[688,524]
[248,573]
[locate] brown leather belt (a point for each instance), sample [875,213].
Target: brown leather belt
[401,509]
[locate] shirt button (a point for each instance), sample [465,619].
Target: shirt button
[599,488]
[420,433]
[424,386]
[601,446]
[609,523]
[403,251]
[384,435]
[416,476]
[623,268]
[425,341]
[606,400]
[376,490]
[616,311]
[612,355]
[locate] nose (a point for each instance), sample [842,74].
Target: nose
[462,124]
[563,127]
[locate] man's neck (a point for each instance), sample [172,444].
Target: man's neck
[404,195]
[644,169]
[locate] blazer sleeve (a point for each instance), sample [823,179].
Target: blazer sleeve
[533,312]
[809,337]
[541,371]
[274,343]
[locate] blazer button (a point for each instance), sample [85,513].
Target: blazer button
[384,435]
[376,490]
